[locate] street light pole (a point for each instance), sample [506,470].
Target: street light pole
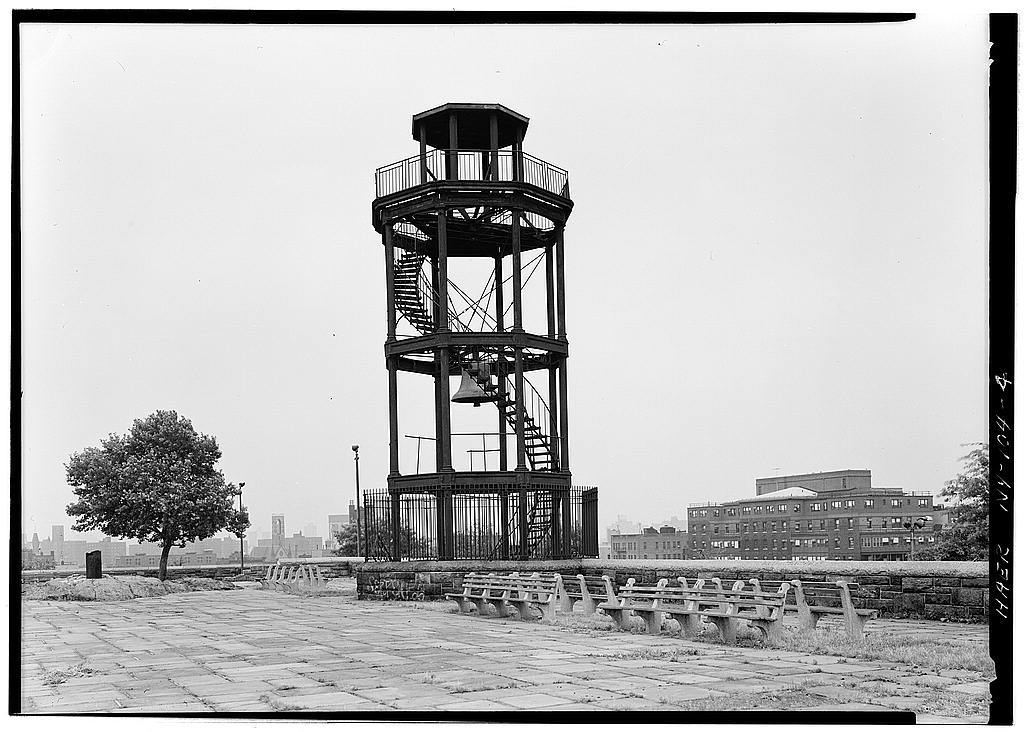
[359,523]
[917,524]
[241,536]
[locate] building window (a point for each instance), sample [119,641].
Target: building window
[835,524]
[782,508]
[868,522]
[837,504]
[764,526]
[770,508]
[796,526]
[746,509]
[896,503]
[922,501]
[822,525]
[757,509]
[796,508]
[784,525]
[815,506]
[837,542]
[773,526]
[851,542]
[716,529]
[850,504]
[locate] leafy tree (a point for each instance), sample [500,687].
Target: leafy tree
[157,483]
[410,544]
[966,538]
[346,537]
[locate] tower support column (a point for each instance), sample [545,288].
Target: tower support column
[563,416]
[520,413]
[553,416]
[444,408]
[560,269]
[389,276]
[499,326]
[393,416]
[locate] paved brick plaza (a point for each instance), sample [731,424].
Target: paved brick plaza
[260,651]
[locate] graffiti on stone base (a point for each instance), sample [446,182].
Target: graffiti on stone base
[389,588]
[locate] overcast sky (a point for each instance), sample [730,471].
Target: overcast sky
[776,262]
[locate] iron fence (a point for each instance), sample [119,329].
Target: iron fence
[486,522]
[471,165]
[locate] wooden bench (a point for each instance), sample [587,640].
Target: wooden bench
[689,605]
[525,594]
[813,600]
[588,591]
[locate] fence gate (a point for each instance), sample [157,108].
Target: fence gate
[589,501]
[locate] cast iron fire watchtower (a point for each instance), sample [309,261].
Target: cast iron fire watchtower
[473,194]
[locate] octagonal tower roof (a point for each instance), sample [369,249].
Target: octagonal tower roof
[474,125]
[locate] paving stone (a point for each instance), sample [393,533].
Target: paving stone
[691,679]
[676,694]
[326,701]
[293,653]
[975,688]
[836,692]
[535,701]
[479,705]
[933,680]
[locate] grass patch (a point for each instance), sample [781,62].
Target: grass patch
[278,705]
[929,653]
[680,655]
[54,678]
[921,700]
[925,653]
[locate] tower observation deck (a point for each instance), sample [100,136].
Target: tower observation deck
[473,197]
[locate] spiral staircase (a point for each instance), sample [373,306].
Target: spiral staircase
[415,298]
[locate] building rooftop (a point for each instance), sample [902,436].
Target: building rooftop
[793,492]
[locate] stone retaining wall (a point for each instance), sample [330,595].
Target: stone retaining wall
[934,590]
[330,567]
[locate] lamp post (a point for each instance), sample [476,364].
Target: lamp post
[359,523]
[241,536]
[916,525]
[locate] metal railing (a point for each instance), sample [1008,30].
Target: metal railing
[480,522]
[471,165]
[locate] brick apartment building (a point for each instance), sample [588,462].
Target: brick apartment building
[664,543]
[833,515]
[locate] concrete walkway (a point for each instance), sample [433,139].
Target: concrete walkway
[260,651]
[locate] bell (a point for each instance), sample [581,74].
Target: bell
[470,392]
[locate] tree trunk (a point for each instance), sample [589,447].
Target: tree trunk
[163,560]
